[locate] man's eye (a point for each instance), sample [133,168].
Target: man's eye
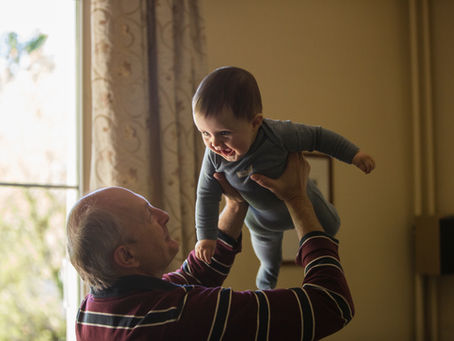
[204,133]
[224,133]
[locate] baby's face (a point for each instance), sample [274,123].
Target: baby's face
[226,135]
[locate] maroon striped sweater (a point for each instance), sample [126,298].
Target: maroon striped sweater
[190,304]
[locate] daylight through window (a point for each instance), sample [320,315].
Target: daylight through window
[38,164]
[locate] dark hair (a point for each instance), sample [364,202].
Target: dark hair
[228,87]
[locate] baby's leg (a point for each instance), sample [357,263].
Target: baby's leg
[325,211]
[268,248]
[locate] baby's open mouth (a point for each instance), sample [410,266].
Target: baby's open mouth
[227,152]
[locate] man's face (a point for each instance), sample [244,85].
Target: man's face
[145,225]
[154,246]
[227,135]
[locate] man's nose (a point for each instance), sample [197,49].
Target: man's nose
[163,216]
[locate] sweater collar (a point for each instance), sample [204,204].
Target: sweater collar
[127,284]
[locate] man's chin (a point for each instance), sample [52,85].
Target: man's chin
[175,246]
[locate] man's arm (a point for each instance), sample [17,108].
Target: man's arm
[319,307]
[228,244]
[232,216]
[323,303]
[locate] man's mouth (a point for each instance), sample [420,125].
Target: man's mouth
[166,232]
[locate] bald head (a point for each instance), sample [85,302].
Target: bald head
[115,200]
[115,232]
[96,225]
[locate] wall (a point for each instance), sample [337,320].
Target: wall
[442,14]
[343,65]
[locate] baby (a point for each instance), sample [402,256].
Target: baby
[227,110]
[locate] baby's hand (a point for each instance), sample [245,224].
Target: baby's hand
[204,249]
[364,162]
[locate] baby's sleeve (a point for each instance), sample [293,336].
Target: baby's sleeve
[207,203]
[301,137]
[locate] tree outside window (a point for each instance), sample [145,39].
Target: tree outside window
[37,164]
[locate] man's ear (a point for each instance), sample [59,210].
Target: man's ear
[124,257]
[257,121]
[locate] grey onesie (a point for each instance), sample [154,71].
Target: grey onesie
[267,216]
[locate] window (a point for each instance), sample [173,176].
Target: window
[38,167]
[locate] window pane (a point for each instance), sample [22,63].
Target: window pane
[37,146]
[32,250]
[37,90]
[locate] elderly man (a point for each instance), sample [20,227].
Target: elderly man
[120,246]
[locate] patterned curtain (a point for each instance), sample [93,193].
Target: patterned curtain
[147,59]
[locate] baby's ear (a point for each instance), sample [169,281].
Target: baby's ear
[257,120]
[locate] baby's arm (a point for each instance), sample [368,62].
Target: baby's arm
[364,161]
[230,223]
[301,137]
[207,210]
[204,249]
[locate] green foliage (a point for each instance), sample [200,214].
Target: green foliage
[13,44]
[15,48]
[31,249]
[32,244]
[35,43]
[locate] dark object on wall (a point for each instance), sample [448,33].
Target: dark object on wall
[434,245]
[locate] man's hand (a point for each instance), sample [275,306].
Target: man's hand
[292,183]
[364,162]
[291,188]
[229,192]
[204,249]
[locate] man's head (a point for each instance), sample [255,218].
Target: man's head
[114,232]
[227,110]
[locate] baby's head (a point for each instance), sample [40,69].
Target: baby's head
[227,110]
[228,87]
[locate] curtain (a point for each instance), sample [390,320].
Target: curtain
[148,57]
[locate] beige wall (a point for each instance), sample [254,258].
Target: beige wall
[346,66]
[442,14]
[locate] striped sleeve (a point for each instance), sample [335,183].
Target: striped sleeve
[220,316]
[263,316]
[198,272]
[324,284]
[320,307]
[129,321]
[306,313]
[343,307]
